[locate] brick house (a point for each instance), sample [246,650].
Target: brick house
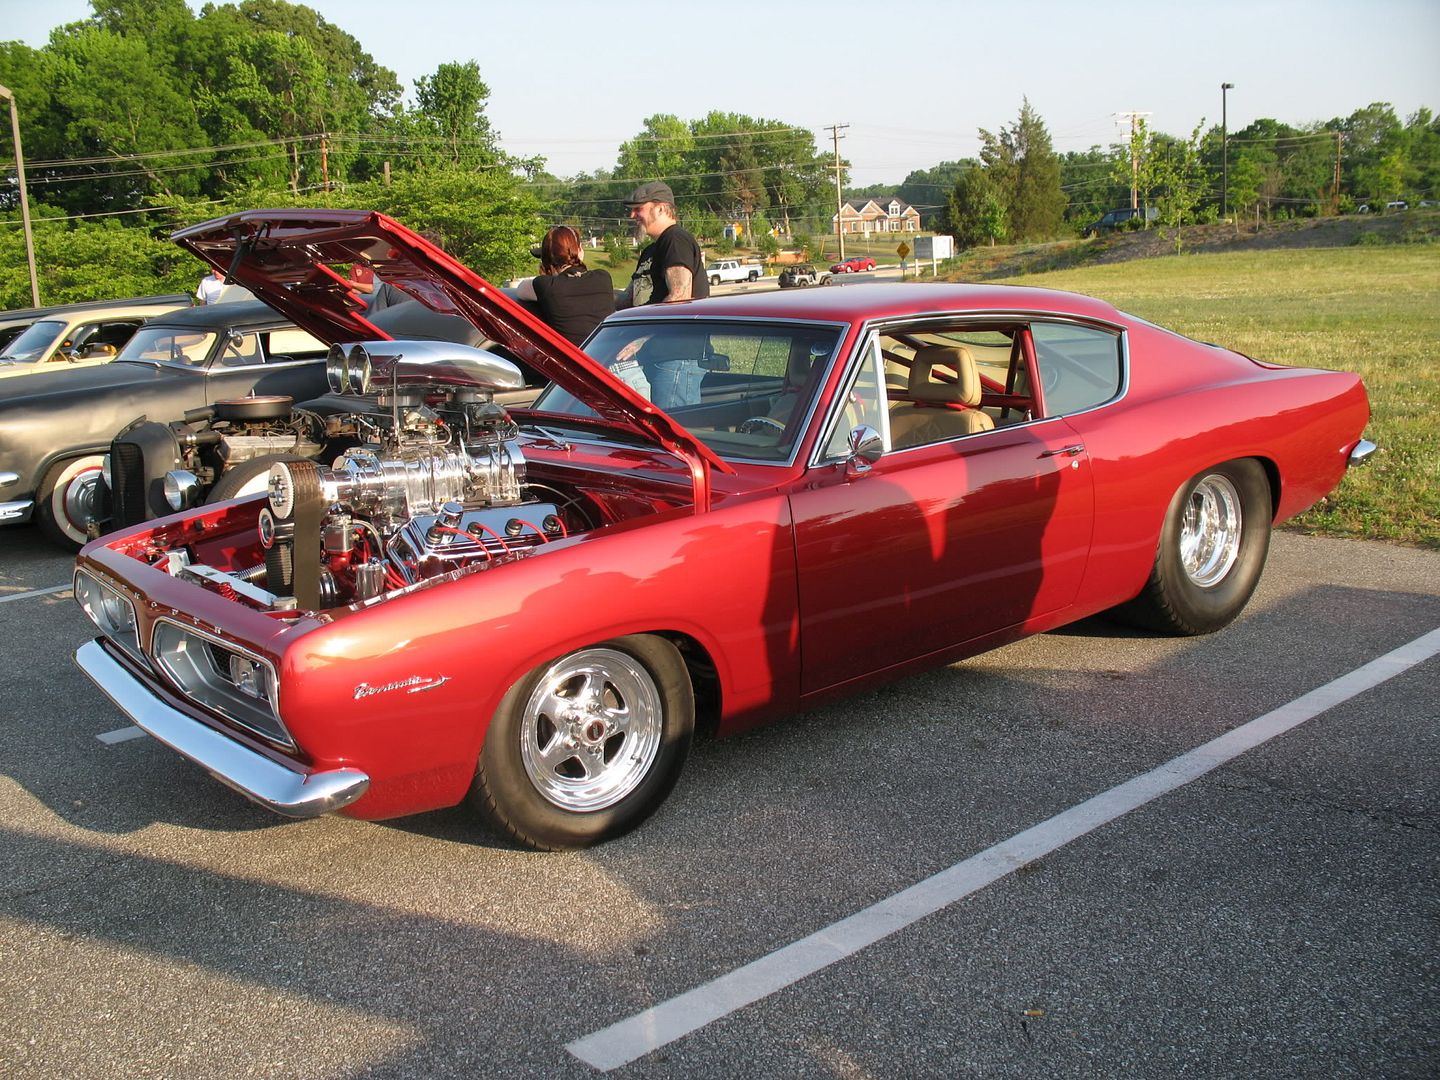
[867,216]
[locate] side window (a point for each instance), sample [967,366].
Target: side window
[294,343]
[864,400]
[1079,366]
[242,350]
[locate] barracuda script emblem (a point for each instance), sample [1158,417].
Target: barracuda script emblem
[415,684]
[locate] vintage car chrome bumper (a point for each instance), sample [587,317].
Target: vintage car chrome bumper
[285,789]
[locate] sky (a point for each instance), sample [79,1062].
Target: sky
[914,80]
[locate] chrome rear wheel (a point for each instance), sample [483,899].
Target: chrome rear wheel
[1210,530]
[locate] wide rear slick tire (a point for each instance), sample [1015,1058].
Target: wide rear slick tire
[1212,551]
[586,747]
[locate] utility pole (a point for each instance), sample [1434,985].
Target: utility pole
[1335,196]
[325,161]
[835,138]
[24,198]
[1134,116]
[1224,153]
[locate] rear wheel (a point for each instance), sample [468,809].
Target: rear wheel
[586,747]
[1212,550]
[67,500]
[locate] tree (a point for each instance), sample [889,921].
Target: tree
[451,107]
[976,210]
[1180,176]
[1024,171]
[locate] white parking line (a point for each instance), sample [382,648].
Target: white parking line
[35,592]
[623,1042]
[119,735]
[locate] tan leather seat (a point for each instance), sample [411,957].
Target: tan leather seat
[939,410]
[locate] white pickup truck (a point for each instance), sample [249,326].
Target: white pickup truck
[730,270]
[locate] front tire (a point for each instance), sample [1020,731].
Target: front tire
[586,747]
[1212,551]
[66,502]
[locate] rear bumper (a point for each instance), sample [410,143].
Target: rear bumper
[1361,453]
[285,788]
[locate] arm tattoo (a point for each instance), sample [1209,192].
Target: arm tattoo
[679,281]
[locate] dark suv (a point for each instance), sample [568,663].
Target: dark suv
[1118,219]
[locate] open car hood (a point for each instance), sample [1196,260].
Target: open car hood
[285,258]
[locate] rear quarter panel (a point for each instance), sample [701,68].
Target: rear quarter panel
[1189,407]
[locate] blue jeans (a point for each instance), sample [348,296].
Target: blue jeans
[674,382]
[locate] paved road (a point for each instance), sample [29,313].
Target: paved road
[1274,917]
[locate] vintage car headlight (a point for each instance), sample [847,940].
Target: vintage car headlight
[222,677]
[109,609]
[182,489]
[359,371]
[337,369]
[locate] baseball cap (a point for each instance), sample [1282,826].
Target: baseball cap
[654,191]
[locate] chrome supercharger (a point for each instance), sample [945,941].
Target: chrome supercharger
[443,489]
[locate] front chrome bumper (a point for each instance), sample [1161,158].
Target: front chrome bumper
[287,789]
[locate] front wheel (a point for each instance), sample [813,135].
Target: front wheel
[66,502]
[714,279]
[586,747]
[1212,550]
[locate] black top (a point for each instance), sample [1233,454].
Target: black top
[574,301]
[673,247]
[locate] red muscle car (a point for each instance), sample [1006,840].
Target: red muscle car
[719,513]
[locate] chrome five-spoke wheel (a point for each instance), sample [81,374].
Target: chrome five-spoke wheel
[590,729]
[586,746]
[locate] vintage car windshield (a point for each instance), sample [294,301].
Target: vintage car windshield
[34,345]
[744,389]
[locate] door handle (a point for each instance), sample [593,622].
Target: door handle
[1069,451]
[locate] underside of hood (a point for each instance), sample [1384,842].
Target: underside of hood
[288,258]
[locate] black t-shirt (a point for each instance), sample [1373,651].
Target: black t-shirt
[574,301]
[673,247]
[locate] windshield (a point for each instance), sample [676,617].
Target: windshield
[36,344]
[741,388]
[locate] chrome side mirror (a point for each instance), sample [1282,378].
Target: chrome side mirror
[867,446]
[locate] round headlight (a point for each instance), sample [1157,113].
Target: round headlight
[282,490]
[182,489]
[337,371]
[359,370]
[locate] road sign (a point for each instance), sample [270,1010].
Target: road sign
[903,250]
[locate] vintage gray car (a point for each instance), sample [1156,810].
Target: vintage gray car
[56,426]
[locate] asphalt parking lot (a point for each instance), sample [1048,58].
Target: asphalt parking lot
[1267,908]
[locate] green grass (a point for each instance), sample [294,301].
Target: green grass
[1374,310]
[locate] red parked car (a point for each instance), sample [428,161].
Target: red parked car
[853,264]
[533,610]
